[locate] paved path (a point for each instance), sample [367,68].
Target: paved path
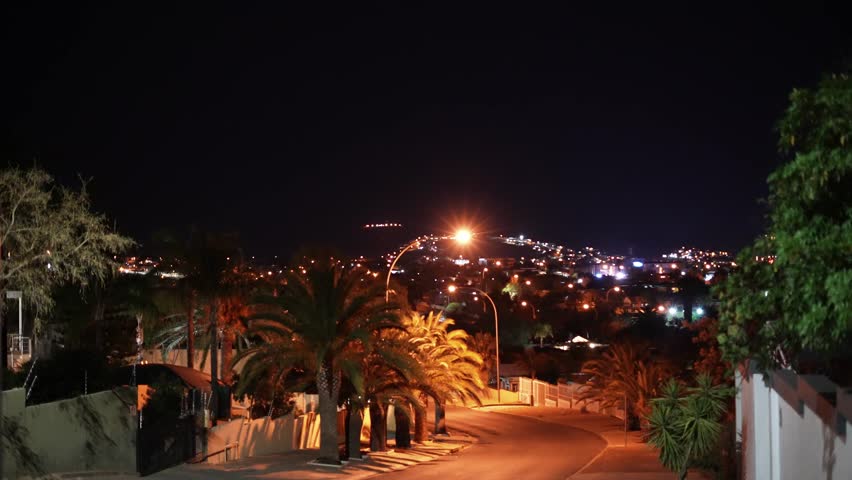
[517,442]
[509,447]
[627,457]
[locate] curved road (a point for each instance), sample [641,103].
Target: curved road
[510,447]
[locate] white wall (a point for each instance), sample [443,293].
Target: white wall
[790,432]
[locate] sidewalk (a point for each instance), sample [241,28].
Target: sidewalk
[625,458]
[295,464]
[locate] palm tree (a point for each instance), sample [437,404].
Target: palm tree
[624,373]
[391,375]
[483,344]
[453,369]
[323,321]
[685,426]
[542,331]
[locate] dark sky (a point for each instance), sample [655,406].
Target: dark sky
[618,128]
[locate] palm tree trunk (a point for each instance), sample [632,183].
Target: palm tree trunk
[356,422]
[378,427]
[228,356]
[440,419]
[190,333]
[328,386]
[214,360]
[420,434]
[401,413]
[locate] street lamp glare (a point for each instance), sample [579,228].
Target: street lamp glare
[463,236]
[451,288]
[524,303]
[617,289]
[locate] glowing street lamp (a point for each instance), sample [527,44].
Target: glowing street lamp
[462,236]
[661,308]
[452,289]
[614,289]
[532,307]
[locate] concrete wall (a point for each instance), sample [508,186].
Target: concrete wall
[90,432]
[243,438]
[248,438]
[791,429]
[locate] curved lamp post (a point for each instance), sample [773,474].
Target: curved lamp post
[453,288]
[390,270]
[462,236]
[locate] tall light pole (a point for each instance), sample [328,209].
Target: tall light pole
[393,264]
[462,236]
[453,288]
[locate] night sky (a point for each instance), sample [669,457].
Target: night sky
[617,128]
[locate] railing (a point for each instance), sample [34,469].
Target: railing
[563,395]
[20,351]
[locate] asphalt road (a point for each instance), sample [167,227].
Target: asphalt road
[510,447]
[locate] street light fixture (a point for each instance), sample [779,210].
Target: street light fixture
[452,289]
[532,307]
[462,236]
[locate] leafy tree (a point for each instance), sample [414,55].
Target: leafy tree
[624,371]
[49,236]
[793,290]
[685,425]
[323,322]
[709,360]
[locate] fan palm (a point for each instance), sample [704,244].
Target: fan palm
[624,373]
[322,321]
